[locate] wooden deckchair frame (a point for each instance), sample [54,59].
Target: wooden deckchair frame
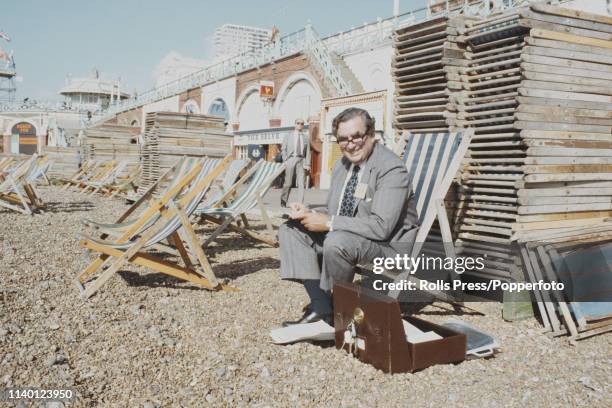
[436,209]
[114,258]
[86,169]
[106,170]
[13,198]
[538,253]
[225,223]
[122,183]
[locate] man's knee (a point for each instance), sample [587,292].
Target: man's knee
[289,231]
[340,243]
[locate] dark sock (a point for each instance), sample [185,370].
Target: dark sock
[320,301]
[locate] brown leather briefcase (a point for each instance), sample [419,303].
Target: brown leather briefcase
[380,338]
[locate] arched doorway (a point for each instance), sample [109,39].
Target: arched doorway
[299,98]
[252,113]
[23,138]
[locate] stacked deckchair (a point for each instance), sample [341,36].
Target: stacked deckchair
[16,186]
[537,94]
[579,258]
[166,218]
[231,208]
[426,71]
[107,142]
[65,161]
[170,135]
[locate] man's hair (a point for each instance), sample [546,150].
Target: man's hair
[351,113]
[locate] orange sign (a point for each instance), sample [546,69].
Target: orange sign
[266,89]
[23,128]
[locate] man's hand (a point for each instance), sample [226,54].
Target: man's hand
[298,210]
[315,222]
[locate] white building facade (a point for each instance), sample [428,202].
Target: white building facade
[233,39]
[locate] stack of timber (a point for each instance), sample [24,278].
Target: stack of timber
[565,119]
[539,96]
[426,71]
[66,161]
[107,142]
[487,197]
[169,135]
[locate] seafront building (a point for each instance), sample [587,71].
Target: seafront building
[234,39]
[261,91]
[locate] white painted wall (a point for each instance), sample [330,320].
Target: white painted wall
[301,100]
[165,105]
[252,113]
[373,69]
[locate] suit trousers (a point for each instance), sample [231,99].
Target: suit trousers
[295,168]
[327,256]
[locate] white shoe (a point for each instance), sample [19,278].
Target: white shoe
[317,331]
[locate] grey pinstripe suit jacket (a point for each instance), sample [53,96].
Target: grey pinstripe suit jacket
[388,211]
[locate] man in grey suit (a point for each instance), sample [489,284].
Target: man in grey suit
[295,151]
[370,213]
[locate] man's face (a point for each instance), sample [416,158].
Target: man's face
[299,125]
[359,148]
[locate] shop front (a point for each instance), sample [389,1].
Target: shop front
[265,144]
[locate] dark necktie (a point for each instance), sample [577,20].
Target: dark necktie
[348,201]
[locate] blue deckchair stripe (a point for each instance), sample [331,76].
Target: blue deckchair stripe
[434,160]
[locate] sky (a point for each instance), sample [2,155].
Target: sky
[128,38]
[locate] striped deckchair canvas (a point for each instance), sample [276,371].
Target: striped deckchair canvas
[170,214]
[432,160]
[234,204]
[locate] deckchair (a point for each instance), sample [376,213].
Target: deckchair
[85,170]
[235,169]
[172,223]
[6,163]
[94,172]
[15,191]
[108,177]
[432,160]
[235,203]
[43,166]
[173,176]
[123,184]
[37,171]
[104,172]
[575,257]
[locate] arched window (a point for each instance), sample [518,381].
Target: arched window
[219,108]
[191,106]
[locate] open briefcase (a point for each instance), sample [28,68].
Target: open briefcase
[380,339]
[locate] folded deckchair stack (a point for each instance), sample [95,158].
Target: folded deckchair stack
[426,72]
[65,160]
[540,104]
[107,142]
[536,91]
[169,136]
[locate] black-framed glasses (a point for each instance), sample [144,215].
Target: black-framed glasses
[356,139]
